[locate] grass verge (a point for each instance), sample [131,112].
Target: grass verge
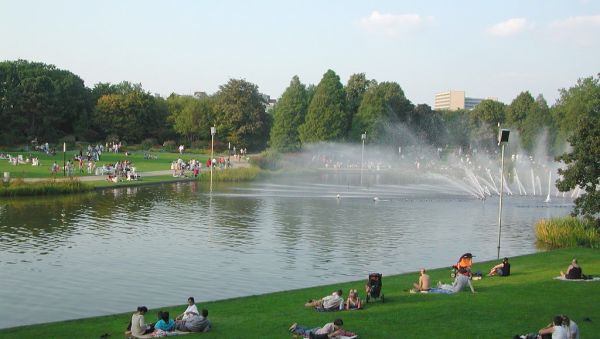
[501,308]
[51,187]
[567,232]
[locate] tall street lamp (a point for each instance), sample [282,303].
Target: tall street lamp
[502,140]
[363,137]
[213,131]
[64,159]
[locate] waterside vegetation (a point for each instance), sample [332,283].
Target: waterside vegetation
[48,187]
[567,232]
[501,308]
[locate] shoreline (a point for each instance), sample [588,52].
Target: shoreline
[531,286]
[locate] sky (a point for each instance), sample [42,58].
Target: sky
[495,48]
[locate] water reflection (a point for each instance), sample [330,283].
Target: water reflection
[98,247]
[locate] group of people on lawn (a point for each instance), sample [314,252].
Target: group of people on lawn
[189,321]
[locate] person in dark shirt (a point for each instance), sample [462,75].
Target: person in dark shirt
[573,271]
[502,269]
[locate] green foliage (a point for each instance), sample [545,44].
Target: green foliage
[484,120]
[17,188]
[192,117]
[327,118]
[236,174]
[382,106]
[268,160]
[355,89]
[583,166]
[241,118]
[288,116]
[40,101]
[501,308]
[130,112]
[457,127]
[428,125]
[567,232]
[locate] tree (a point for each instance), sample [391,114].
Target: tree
[428,124]
[527,117]
[383,106]
[288,116]
[241,118]
[484,120]
[355,89]
[583,166]
[457,127]
[191,117]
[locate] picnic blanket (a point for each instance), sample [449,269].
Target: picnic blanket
[169,334]
[565,279]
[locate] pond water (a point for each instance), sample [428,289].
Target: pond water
[107,252]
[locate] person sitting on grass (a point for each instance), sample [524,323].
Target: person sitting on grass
[329,302]
[502,269]
[571,327]
[423,284]
[353,302]
[164,323]
[138,327]
[189,311]
[573,271]
[555,329]
[194,323]
[329,330]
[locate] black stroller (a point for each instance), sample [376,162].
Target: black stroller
[374,287]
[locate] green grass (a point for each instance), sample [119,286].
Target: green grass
[567,232]
[234,174]
[501,308]
[163,162]
[159,179]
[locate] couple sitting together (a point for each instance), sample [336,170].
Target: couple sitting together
[188,321]
[335,302]
[461,281]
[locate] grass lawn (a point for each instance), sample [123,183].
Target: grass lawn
[163,162]
[501,308]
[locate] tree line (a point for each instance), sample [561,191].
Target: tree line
[40,101]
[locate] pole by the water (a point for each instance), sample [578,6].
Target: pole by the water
[212,150]
[64,159]
[501,191]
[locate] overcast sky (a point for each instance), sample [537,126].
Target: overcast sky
[486,48]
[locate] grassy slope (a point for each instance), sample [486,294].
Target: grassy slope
[137,158]
[502,307]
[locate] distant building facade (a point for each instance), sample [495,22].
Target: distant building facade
[454,100]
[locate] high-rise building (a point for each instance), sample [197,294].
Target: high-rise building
[453,100]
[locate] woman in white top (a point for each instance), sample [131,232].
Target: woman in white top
[556,329]
[190,310]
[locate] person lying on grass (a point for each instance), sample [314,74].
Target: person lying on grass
[460,282]
[353,302]
[331,301]
[329,330]
[502,269]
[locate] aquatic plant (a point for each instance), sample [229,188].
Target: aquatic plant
[567,232]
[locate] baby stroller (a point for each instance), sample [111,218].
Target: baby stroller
[465,262]
[374,287]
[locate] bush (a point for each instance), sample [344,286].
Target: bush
[567,232]
[18,187]
[68,139]
[148,143]
[112,138]
[169,145]
[268,160]
[236,174]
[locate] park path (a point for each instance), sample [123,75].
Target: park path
[236,164]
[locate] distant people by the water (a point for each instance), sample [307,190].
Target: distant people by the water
[573,271]
[502,269]
[332,301]
[423,283]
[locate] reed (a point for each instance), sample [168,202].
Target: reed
[567,232]
[18,187]
[236,174]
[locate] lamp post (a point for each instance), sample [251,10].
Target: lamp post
[213,131]
[502,140]
[64,159]
[363,137]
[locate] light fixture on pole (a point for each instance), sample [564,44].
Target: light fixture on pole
[64,159]
[502,140]
[363,137]
[213,131]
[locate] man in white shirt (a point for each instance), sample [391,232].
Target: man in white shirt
[329,302]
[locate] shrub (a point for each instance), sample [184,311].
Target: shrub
[18,187]
[567,232]
[268,160]
[148,143]
[169,145]
[236,174]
